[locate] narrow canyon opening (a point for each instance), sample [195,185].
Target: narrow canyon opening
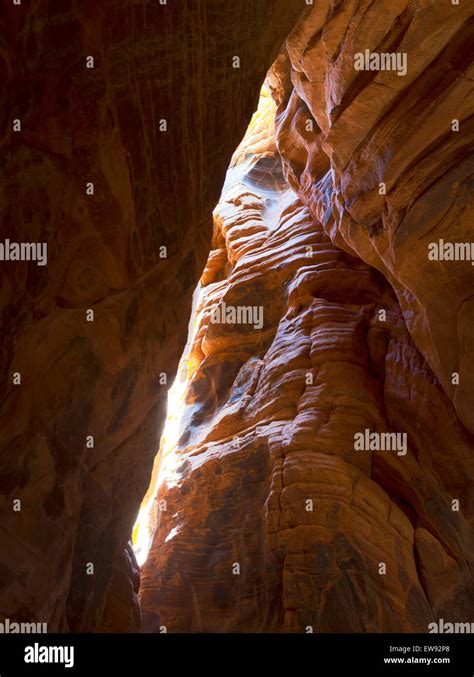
[255,171]
[263,514]
[315,470]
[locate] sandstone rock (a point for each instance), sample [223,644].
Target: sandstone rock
[122,609]
[273,521]
[156,68]
[380,127]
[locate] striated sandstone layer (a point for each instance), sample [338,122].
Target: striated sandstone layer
[271,520]
[152,126]
[412,132]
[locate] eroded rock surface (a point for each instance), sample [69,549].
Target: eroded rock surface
[152,126]
[261,443]
[272,520]
[411,132]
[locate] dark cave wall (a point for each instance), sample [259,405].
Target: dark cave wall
[152,189]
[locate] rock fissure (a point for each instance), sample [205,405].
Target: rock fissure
[262,515]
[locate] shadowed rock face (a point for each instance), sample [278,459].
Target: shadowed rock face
[273,521]
[152,126]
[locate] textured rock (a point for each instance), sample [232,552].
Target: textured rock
[152,189]
[153,126]
[122,608]
[374,127]
[272,520]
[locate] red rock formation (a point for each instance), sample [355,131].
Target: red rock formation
[274,521]
[375,127]
[155,67]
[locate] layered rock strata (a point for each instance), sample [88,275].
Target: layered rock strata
[383,158]
[273,520]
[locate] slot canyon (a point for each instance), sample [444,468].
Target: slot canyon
[238,225]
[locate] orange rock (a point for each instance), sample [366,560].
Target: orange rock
[274,521]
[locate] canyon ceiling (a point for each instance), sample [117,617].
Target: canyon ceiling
[310,237]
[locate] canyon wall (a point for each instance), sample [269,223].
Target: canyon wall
[118,121]
[410,131]
[273,520]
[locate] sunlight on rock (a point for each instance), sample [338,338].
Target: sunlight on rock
[167,461]
[257,143]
